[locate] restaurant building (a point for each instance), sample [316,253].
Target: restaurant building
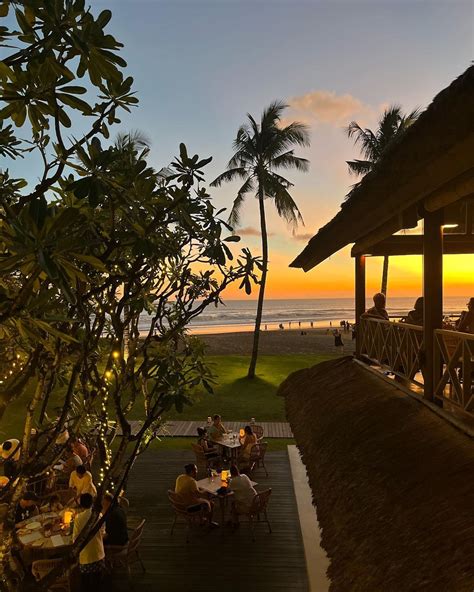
[386,435]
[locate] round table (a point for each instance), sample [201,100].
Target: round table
[32,535]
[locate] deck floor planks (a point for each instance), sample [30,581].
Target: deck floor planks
[272,429]
[275,562]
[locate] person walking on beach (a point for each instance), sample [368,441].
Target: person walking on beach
[338,343]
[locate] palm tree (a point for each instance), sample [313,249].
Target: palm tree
[392,124]
[262,149]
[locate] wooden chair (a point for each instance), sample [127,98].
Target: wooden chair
[203,462]
[258,431]
[258,508]
[117,556]
[124,503]
[191,518]
[257,457]
[41,569]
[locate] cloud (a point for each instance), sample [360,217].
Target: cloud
[324,106]
[303,237]
[250,231]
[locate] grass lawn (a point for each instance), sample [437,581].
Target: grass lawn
[235,397]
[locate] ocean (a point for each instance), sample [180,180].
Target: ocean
[239,315]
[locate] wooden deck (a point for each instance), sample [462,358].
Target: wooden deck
[219,558]
[274,429]
[271,429]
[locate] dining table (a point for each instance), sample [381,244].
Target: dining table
[211,486]
[44,533]
[231,442]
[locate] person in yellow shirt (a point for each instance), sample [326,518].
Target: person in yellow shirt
[91,558]
[189,493]
[81,481]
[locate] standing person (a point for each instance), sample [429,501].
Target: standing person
[338,343]
[116,532]
[81,481]
[377,311]
[91,558]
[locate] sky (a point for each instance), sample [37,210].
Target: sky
[200,66]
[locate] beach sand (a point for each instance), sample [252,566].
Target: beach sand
[288,341]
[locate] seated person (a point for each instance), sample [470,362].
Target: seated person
[209,450]
[27,507]
[217,429]
[52,504]
[116,532]
[81,481]
[79,448]
[249,439]
[466,321]
[188,491]
[378,310]
[72,461]
[91,558]
[415,316]
[244,492]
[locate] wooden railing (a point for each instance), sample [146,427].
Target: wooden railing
[396,347]
[454,363]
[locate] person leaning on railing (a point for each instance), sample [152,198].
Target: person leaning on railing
[465,324]
[377,311]
[415,316]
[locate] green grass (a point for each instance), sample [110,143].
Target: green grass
[235,397]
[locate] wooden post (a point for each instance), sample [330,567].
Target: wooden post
[433,295]
[359,296]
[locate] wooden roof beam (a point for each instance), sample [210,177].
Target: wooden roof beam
[454,244]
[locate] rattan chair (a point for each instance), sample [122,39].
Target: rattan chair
[41,569]
[257,457]
[124,503]
[258,431]
[258,508]
[191,518]
[117,556]
[204,462]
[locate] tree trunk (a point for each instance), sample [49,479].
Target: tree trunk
[383,289]
[261,292]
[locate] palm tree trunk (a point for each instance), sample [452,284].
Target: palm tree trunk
[383,289]
[261,292]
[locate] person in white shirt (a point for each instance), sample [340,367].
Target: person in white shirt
[91,558]
[244,492]
[81,481]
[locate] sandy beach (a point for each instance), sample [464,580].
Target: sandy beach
[288,341]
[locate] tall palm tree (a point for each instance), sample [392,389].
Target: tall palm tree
[373,145]
[262,149]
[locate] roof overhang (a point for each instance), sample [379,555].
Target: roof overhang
[432,164]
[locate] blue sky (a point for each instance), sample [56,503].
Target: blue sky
[200,66]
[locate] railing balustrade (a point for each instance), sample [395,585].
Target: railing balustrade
[454,367]
[393,346]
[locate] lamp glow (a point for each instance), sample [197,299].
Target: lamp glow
[242,432]
[67,517]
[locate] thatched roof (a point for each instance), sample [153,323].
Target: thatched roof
[434,152]
[392,481]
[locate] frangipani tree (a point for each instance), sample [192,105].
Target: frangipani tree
[100,248]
